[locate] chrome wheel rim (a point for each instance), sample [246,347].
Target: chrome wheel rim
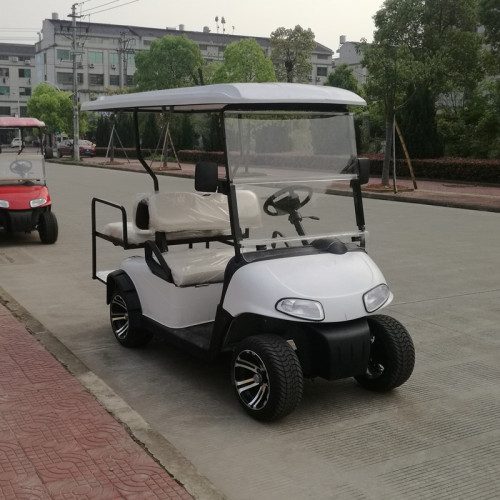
[119,316]
[251,380]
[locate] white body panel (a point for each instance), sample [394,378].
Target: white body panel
[168,304]
[337,281]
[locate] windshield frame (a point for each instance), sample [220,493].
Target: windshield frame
[349,175]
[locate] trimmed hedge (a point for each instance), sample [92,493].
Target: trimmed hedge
[450,169]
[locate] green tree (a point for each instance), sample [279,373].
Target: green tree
[343,77]
[150,132]
[489,17]
[53,107]
[422,49]
[291,51]
[171,62]
[244,61]
[391,70]
[102,130]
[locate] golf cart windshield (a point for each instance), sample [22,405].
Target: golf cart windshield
[21,169]
[292,162]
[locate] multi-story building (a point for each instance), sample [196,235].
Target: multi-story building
[17,67]
[105,53]
[349,53]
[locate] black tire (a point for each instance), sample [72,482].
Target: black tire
[267,377]
[126,318]
[392,356]
[48,230]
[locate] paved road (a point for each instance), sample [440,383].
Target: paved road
[436,437]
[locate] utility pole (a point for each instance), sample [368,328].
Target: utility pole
[74,53]
[124,49]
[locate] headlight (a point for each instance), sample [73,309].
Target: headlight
[301,308]
[376,298]
[38,202]
[4,204]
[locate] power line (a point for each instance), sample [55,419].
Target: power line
[99,6]
[112,8]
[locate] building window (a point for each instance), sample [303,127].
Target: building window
[130,80]
[113,58]
[95,57]
[4,72]
[65,78]
[114,80]
[131,58]
[321,71]
[24,73]
[4,90]
[96,79]
[63,55]
[321,56]
[203,47]
[25,91]
[4,110]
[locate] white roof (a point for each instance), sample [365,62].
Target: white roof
[213,97]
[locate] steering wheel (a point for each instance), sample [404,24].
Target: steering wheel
[20,167]
[286,200]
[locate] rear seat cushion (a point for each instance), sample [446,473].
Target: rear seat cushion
[134,236]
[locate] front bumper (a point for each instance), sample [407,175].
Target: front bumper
[17,221]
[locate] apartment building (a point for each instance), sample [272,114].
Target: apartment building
[105,53]
[17,67]
[349,53]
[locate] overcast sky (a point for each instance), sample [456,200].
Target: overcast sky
[328,19]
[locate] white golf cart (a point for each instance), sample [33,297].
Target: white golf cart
[258,258]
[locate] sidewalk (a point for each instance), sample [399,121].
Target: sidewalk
[438,193]
[56,441]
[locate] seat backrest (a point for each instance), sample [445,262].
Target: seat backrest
[173,212]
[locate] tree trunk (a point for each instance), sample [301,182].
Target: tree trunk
[389,125]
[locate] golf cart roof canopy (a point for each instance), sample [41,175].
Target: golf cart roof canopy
[12,122]
[216,97]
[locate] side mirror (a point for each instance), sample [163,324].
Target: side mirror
[206,177]
[363,170]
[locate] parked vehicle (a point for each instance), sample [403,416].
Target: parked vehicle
[25,203]
[258,259]
[16,143]
[65,148]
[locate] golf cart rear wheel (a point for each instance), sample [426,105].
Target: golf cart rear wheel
[267,377]
[125,315]
[392,355]
[48,229]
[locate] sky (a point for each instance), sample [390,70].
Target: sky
[328,19]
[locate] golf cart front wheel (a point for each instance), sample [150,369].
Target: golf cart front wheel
[267,377]
[392,355]
[48,229]
[125,316]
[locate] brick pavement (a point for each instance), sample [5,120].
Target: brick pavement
[56,441]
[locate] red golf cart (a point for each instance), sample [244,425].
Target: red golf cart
[25,203]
